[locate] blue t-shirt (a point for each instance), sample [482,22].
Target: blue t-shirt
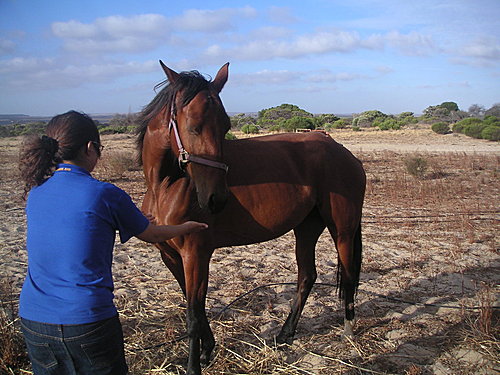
[72,220]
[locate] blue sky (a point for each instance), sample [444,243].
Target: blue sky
[325,56]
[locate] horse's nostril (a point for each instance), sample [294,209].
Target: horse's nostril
[216,204]
[212,204]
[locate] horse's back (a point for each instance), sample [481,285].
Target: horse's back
[276,181]
[304,157]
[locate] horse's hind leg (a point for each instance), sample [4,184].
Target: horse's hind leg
[348,244]
[306,236]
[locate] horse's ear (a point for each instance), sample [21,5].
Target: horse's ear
[221,78]
[171,75]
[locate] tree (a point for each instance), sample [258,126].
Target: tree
[271,117]
[476,110]
[493,111]
[299,122]
[450,106]
[250,129]
[446,111]
[240,120]
[326,118]
[406,118]
[367,118]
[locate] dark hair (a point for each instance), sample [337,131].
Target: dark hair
[66,134]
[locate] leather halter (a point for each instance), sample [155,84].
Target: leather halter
[184,156]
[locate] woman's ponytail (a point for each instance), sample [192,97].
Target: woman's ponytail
[38,159]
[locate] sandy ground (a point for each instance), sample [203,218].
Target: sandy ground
[422,245]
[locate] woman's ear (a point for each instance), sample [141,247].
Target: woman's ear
[92,148]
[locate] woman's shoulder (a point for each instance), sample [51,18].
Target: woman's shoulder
[106,187]
[109,191]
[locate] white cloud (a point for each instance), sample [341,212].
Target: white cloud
[413,43]
[145,32]
[264,76]
[114,33]
[283,15]
[50,74]
[384,69]
[219,20]
[23,65]
[336,41]
[6,46]
[484,48]
[482,52]
[74,30]
[268,32]
[328,76]
[112,27]
[322,42]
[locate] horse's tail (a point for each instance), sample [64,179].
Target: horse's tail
[357,257]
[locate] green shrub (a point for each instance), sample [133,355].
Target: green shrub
[117,129]
[339,124]
[460,125]
[491,120]
[416,166]
[474,130]
[298,122]
[230,136]
[440,128]
[250,129]
[491,133]
[387,124]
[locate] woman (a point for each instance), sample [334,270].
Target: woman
[68,318]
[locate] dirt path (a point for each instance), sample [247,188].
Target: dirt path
[426,241]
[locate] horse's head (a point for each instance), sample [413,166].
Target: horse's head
[197,126]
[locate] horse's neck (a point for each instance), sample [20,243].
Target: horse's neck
[160,164]
[157,143]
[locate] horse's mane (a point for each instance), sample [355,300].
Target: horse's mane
[188,84]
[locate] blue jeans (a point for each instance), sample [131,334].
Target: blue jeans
[83,349]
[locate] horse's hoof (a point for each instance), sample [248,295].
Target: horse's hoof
[193,372]
[348,331]
[205,359]
[282,340]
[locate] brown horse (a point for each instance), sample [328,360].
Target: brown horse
[248,191]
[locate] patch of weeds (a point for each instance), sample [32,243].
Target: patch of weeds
[416,166]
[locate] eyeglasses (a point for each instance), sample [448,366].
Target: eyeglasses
[98,147]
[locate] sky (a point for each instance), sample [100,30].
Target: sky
[341,57]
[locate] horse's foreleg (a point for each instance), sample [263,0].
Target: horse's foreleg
[200,336]
[306,236]
[173,261]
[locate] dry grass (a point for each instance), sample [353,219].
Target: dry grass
[429,240]
[12,349]
[115,164]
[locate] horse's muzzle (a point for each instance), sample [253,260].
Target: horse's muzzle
[216,203]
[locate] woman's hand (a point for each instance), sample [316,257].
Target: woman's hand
[151,218]
[194,226]
[159,233]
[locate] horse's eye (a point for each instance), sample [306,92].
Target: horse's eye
[194,130]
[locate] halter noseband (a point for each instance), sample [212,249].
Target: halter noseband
[184,156]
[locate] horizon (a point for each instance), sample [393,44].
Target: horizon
[324,57]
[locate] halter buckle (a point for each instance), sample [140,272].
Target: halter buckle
[183,159]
